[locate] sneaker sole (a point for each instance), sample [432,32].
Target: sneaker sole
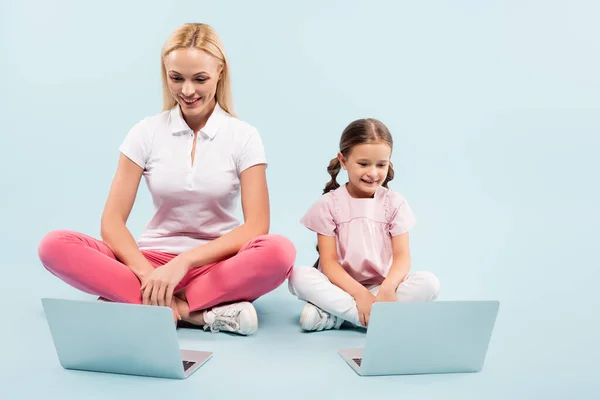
[254,317]
[303,315]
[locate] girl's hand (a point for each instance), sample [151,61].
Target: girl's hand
[386,294]
[364,302]
[157,289]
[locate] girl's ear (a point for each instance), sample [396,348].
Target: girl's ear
[341,159]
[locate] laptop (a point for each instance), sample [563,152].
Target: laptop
[424,338]
[119,338]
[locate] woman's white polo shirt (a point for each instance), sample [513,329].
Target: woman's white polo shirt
[193,204]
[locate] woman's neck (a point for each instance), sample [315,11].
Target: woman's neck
[197,122]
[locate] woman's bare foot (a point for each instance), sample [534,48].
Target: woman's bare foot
[176,316]
[195,318]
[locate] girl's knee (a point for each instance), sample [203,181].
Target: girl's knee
[301,279]
[294,277]
[430,284]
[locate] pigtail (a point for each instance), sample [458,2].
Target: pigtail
[334,169]
[390,175]
[316,264]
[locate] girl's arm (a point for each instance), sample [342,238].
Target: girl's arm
[334,271]
[400,264]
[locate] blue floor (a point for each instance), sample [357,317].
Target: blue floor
[547,350]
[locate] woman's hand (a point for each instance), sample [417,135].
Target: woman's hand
[142,272]
[158,287]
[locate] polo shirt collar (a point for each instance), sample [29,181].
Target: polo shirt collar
[178,124]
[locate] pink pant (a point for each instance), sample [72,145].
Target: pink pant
[89,265]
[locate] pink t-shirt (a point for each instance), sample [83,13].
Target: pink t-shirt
[363,228]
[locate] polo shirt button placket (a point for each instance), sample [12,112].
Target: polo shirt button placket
[190,164]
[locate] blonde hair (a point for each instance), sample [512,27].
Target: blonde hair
[202,37]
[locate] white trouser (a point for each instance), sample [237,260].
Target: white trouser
[311,285]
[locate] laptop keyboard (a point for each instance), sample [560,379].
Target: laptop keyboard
[188,364]
[357,361]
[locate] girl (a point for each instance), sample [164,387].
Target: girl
[197,157]
[362,231]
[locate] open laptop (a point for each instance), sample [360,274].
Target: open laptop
[425,338]
[119,338]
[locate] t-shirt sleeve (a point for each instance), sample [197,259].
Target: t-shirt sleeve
[136,145]
[252,152]
[319,217]
[402,219]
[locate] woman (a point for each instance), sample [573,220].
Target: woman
[196,157]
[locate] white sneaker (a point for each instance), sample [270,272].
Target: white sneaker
[238,318]
[315,319]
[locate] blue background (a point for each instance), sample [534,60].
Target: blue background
[494,108]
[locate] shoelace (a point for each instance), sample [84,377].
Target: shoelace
[327,320]
[218,324]
[224,319]
[331,320]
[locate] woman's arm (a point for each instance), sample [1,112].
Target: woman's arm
[256,209]
[119,203]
